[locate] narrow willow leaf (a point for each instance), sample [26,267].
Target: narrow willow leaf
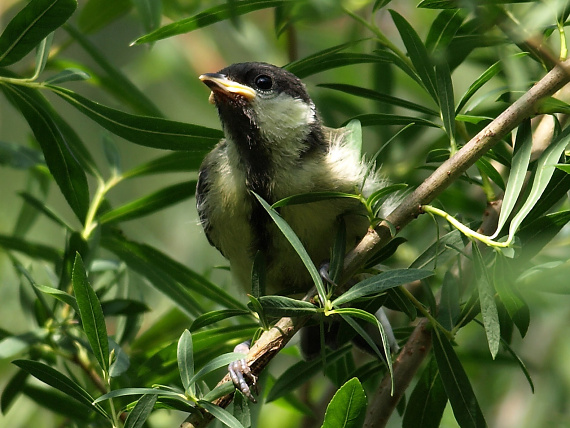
[150,12]
[444,87]
[520,363]
[282,306]
[545,167]
[11,346]
[347,315]
[41,207]
[59,295]
[478,83]
[241,409]
[443,29]
[258,275]
[220,414]
[297,374]
[59,403]
[519,168]
[504,283]
[34,250]
[144,130]
[31,25]
[535,235]
[347,408]
[174,279]
[140,413]
[42,55]
[173,162]
[469,118]
[489,170]
[487,301]
[225,388]
[20,157]
[330,61]
[156,201]
[59,381]
[62,163]
[550,105]
[459,391]
[91,314]
[564,167]
[67,75]
[216,363]
[305,198]
[417,52]
[338,251]
[449,308]
[380,283]
[427,402]
[208,17]
[185,357]
[12,389]
[378,96]
[123,392]
[114,80]
[297,246]
[385,119]
[212,317]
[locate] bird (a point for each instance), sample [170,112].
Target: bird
[277,146]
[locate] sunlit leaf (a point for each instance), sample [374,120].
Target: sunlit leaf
[347,408]
[220,414]
[185,357]
[216,316]
[443,29]
[67,75]
[282,306]
[140,413]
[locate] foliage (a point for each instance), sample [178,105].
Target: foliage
[397,73]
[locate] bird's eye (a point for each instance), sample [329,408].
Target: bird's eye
[264,82]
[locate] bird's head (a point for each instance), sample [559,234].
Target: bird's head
[262,106]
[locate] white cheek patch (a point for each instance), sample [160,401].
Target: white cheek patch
[283,117]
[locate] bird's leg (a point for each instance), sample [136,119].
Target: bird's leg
[240,372]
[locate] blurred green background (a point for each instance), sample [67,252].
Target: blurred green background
[167,73]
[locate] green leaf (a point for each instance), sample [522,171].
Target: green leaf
[487,301]
[59,381]
[140,413]
[449,308]
[185,357]
[258,275]
[42,54]
[282,306]
[146,205]
[347,408]
[545,167]
[137,391]
[119,306]
[489,170]
[208,17]
[446,100]
[114,80]
[12,390]
[443,30]
[241,409]
[40,206]
[19,157]
[297,374]
[417,52]
[551,105]
[144,130]
[297,246]
[67,75]
[385,119]
[427,402]
[380,283]
[173,162]
[91,314]
[150,13]
[174,279]
[61,162]
[517,176]
[59,295]
[216,316]
[459,391]
[31,25]
[535,235]
[504,283]
[216,363]
[34,250]
[377,96]
[11,346]
[60,404]
[487,75]
[220,414]
[305,198]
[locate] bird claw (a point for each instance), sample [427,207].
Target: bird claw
[324,273]
[239,372]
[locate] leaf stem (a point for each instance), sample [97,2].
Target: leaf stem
[464,229]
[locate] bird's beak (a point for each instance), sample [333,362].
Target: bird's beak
[220,83]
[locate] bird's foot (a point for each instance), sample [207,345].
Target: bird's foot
[240,373]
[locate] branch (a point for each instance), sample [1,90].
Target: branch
[272,341]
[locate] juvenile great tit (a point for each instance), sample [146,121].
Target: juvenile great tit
[276,146]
